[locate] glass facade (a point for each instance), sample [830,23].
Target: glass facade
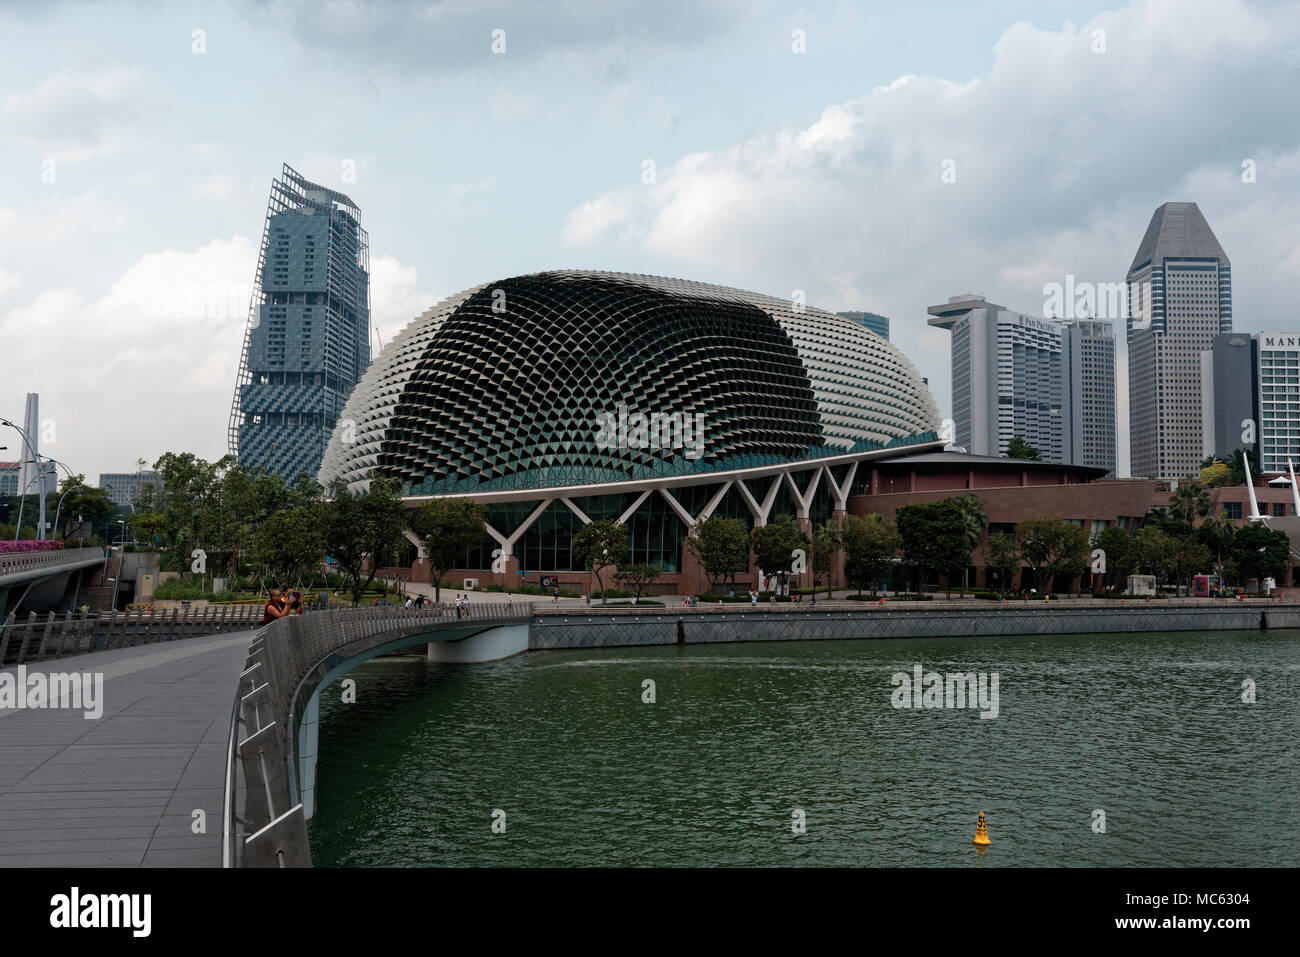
[308,337]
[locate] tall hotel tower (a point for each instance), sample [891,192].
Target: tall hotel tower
[1180,297]
[308,335]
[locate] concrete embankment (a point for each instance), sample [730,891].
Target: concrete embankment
[603,628]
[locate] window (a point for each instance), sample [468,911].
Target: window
[1232,510]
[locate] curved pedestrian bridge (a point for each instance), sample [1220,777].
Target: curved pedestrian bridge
[274,723]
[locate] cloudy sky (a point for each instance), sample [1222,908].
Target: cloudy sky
[878,156]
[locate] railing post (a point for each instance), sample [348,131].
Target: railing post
[4,637]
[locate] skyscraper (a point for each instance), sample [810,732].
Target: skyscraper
[308,335]
[1089,346]
[1008,377]
[1050,383]
[1250,398]
[876,323]
[1180,297]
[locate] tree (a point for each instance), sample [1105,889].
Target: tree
[721,546]
[825,546]
[1122,554]
[1217,534]
[600,544]
[449,526]
[292,540]
[1053,546]
[1188,503]
[775,544]
[363,524]
[1003,558]
[935,537]
[870,544]
[1188,557]
[1155,550]
[1237,466]
[636,577]
[80,502]
[973,520]
[1215,474]
[1261,552]
[1018,448]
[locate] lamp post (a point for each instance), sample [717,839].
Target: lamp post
[121,557]
[29,447]
[74,484]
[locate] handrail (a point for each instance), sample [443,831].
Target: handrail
[284,659]
[11,562]
[228,846]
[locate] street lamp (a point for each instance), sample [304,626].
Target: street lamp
[29,447]
[121,557]
[71,485]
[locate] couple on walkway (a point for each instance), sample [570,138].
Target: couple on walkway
[281,605]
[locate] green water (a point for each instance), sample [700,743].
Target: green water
[1151,729]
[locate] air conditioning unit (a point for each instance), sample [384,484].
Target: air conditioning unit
[471,584]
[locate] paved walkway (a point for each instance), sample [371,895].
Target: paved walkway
[120,790]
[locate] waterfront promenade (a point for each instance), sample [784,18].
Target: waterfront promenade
[120,790]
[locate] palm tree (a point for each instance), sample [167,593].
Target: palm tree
[973,520]
[1189,502]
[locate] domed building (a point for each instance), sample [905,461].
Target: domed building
[558,398]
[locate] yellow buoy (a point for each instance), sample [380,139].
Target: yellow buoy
[982,832]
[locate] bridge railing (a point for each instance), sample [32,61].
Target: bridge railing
[53,635]
[286,661]
[12,562]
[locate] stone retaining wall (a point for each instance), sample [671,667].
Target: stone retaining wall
[605,629]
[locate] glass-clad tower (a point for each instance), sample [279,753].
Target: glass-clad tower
[308,336]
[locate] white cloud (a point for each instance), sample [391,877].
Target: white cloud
[56,216]
[395,296]
[1060,156]
[147,367]
[74,117]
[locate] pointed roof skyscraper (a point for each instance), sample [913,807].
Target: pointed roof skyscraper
[1178,231]
[1180,297]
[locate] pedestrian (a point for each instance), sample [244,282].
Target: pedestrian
[419,600]
[410,603]
[555,595]
[274,608]
[586,596]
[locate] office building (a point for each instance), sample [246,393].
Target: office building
[123,488]
[1251,398]
[308,336]
[1050,382]
[876,323]
[1179,298]
[1089,346]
